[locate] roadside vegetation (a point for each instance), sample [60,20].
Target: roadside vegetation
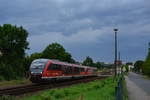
[13,43]
[97,90]
[146,64]
[143,67]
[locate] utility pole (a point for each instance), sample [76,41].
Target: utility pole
[115,62]
[119,56]
[149,46]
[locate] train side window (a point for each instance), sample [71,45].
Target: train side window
[87,70]
[67,69]
[63,68]
[95,70]
[76,70]
[82,69]
[54,67]
[70,69]
[50,67]
[58,67]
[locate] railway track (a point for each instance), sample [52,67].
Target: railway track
[17,91]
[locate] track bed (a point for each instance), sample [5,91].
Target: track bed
[17,91]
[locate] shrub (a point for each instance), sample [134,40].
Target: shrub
[2,78]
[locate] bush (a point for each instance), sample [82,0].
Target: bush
[2,78]
[146,65]
[146,68]
[7,72]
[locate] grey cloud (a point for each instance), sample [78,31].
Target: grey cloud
[68,18]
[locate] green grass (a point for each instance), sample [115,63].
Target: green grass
[7,98]
[14,82]
[125,92]
[97,90]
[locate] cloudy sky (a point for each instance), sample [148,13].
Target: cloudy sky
[83,27]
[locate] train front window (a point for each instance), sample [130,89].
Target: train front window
[37,67]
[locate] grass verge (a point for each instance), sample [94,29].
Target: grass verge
[96,90]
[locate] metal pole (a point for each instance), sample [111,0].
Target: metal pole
[149,47]
[115,62]
[119,56]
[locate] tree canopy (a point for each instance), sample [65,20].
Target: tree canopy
[146,65]
[138,65]
[88,61]
[13,43]
[98,65]
[57,51]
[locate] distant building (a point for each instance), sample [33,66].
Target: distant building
[130,65]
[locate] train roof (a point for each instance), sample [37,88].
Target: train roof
[60,62]
[40,60]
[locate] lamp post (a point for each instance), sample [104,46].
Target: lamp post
[115,62]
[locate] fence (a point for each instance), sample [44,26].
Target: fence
[119,90]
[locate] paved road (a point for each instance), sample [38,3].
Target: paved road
[138,87]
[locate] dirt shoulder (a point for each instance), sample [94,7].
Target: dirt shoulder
[14,83]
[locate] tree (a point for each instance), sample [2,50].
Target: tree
[138,65]
[129,63]
[146,65]
[88,61]
[57,51]
[35,56]
[29,59]
[127,68]
[98,65]
[13,43]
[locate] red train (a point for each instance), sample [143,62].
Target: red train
[47,69]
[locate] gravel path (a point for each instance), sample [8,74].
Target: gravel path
[138,87]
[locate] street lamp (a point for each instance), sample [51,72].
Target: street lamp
[115,62]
